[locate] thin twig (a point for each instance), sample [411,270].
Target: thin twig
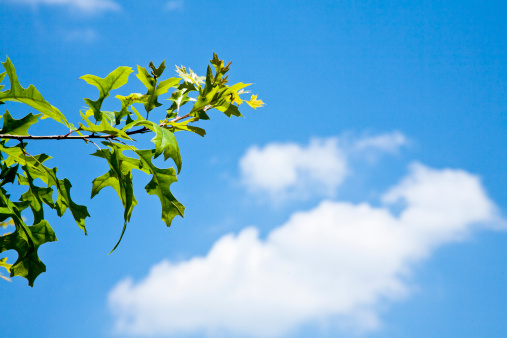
[87,140]
[93,135]
[176,119]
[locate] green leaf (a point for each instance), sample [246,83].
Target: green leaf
[5,265]
[114,80]
[126,102]
[29,96]
[25,240]
[184,126]
[120,178]
[36,169]
[210,80]
[35,196]
[8,174]
[26,243]
[203,101]
[127,163]
[64,201]
[254,103]
[104,127]
[2,76]
[164,141]
[179,97]
[154,90]
[157,72]
[160,182]
[190,77]
[159,185]
[228,109]
[18,127]
[232,93]
[219,68]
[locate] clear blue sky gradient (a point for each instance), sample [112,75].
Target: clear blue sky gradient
[433,70]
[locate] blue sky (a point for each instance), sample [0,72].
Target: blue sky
[366,198]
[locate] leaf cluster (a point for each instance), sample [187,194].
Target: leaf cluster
[116,130]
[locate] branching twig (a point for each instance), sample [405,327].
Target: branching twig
[68,136]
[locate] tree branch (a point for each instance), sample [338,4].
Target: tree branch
[68,136]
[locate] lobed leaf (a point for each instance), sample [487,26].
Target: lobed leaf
[12,126]
[35,196]
[157,72]
[35,169]
[254,103]
[184,126]
[179,98]
[120,179]
[29,96]
[164,141]
[126,102]
[190,77]
[104,127]
[113,80]
[25,240]
[154,89]
[160,186]
[26,243]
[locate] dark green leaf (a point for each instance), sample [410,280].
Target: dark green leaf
[35,196]
[157,72]
[36,169]
[8,174]
[119,178]
[18,127]
[26,243]
[159,185]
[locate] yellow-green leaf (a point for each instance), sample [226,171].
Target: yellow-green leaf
[254,103]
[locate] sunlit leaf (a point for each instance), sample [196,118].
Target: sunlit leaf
[227,108]
[2,76]
[126,102]
[104,128]
[119,178]
[190,76]
[114,80]
[254,103]
[18,127]
[184,126]
[164,140]
[159,185]
[5,265]
[29,96]
[154,89]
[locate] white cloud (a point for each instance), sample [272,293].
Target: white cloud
[288,170]
[87,35]
[337,263]
[389,143]
[83,5]
[174,5]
